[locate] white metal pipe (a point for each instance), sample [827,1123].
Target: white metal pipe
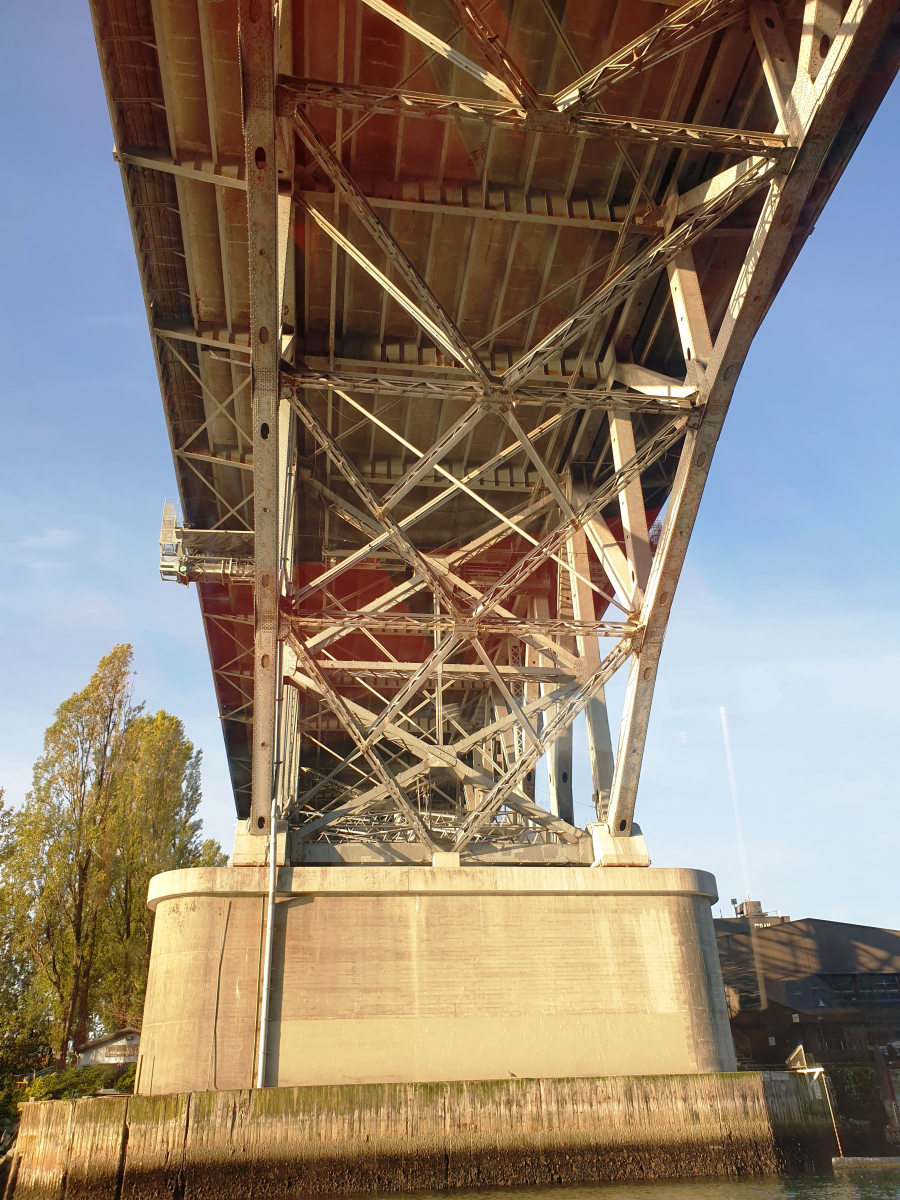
[270,936]
[270,912]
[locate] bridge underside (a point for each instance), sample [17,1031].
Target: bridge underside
[448,302]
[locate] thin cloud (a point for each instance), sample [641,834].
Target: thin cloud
[54,539]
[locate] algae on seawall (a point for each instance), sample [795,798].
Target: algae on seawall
[404,1137]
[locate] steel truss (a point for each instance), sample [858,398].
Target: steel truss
[461,609]
[493,759]
[295,94]
[504,682]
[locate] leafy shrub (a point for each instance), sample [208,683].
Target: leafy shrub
[125,1082]
[70,1084]
[10,1096]
[855,1087]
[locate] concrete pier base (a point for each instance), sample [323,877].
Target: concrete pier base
[427,974]
[280,1142]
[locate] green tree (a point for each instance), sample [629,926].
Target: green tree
[155,828]
[55,873]
[24,1023]
[114,801]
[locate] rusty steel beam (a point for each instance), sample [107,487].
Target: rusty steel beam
[400,102]
[676,32]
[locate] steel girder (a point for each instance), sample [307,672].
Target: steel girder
[294,94]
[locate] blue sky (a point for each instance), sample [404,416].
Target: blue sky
[786,614]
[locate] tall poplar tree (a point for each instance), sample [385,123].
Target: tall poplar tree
[55,874]
[155,828]
[24,1019]
[113,802]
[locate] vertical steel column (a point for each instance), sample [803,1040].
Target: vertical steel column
[631,500]
[559,767]
[257,43]
[600,749]
[288,749]
[562,801]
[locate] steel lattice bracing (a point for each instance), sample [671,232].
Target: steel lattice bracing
[448,302]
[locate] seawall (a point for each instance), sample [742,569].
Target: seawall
[400,1137]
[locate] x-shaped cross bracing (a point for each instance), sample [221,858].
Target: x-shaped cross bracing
[491,632]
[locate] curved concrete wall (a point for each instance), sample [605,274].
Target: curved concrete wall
[422,974]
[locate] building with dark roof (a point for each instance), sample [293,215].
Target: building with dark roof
[830,987]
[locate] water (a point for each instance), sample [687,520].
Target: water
[862,1184]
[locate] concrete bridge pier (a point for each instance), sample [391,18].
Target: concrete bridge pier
[430,1027]
[421,974]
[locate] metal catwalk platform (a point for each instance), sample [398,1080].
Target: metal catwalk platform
[448,302]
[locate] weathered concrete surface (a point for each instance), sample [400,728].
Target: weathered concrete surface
[400,1137]
[421,974]
[43,1145]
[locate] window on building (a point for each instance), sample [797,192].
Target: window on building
[879,1037]
[834,1038]
[865,989]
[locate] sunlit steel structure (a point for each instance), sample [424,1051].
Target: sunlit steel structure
[448,301]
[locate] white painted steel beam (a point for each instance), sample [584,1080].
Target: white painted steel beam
[469,203]
[572,124]
[826,105]
[599,742]
[778,63]
[705,213]
[690,314]
[558,726]
[509,73]
[435,44]
[559,777]
[612,557]
[198,167]
[388,622]
[821,22]
[455,484]
[556,538]
[306,674]
[392,532]
[427,309]
[257,59]
[631,504]
[653,392]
